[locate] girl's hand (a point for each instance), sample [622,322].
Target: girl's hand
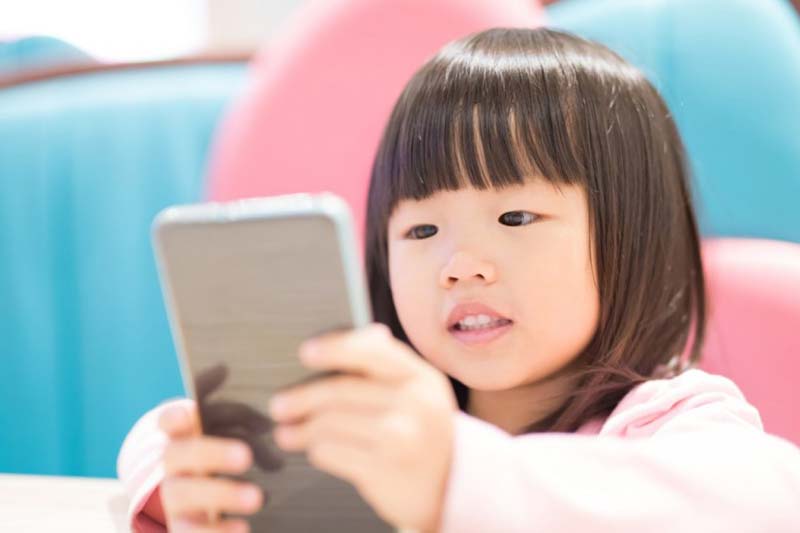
[385,426]
[191,498]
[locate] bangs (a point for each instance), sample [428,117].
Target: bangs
[456,126]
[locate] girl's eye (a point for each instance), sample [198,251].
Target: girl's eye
[517,218]
[422,232]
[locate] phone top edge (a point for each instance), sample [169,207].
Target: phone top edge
[300,204]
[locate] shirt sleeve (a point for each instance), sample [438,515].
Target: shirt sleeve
[686,454]
[139,466]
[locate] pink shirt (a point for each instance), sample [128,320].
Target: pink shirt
[681,454]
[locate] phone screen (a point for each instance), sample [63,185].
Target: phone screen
[242,296]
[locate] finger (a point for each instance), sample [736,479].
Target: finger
[371,351]
[354,429]
[340,392]
[206,455]
[179,421]
[344,461]
[263,454]
[187,525]
[187,497]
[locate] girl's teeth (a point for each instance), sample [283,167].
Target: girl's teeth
[478,322]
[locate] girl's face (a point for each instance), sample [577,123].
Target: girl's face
[524,252]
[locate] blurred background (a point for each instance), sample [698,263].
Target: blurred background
[112,30]
[110,110]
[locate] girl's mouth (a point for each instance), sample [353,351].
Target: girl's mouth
[480,333]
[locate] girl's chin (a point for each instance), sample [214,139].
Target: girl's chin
[490,382]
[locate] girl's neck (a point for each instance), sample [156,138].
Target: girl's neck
[514,410]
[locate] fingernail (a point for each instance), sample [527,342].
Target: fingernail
[239,455]
[278,406]
[309,350]
[238,527]
[250,497]
[173,416]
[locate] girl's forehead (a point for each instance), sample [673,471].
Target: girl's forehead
[535,186]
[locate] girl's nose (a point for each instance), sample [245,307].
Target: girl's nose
[462,266]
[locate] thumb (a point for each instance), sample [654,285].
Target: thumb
[179,419]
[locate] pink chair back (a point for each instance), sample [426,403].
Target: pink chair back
[754,327]
[321,92]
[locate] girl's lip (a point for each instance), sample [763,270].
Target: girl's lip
[473,308]
[480,336]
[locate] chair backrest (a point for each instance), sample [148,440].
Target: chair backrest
[36,52]
[86,161]
[317,105]
[729,72]
[754,327]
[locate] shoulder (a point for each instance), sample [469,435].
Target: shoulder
[693,400]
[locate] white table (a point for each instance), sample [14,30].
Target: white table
[41,504]
[48,503]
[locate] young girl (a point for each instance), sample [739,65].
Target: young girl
[534,268]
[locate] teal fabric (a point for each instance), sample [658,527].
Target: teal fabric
[85,164]
[38,52]
[730,72]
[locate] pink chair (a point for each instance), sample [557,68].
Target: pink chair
[754,327]
[322,91]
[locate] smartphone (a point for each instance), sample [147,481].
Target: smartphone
[244,284]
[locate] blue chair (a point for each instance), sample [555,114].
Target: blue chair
[730,73]
[38,51]
[86,161]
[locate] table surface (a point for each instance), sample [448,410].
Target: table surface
[49,503]
[65,504]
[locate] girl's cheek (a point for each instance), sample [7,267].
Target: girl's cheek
[413,291]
